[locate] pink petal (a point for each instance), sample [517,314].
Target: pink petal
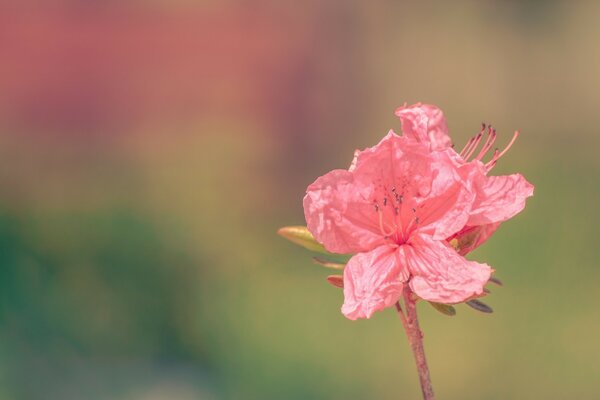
[340,215]
[339,207]
[446,210]
[499,198]
[431,184]
[425,123]
[372,282]
[393,157]
[440,274]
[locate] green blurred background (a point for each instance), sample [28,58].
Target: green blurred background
[149,150]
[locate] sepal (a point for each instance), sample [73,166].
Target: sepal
[301,236]
[445,309]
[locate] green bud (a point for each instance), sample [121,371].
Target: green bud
[301,236]
[328,264]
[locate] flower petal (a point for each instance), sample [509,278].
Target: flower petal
[394,157]
[372,282]
[428,189]
[499,198]
[446,210]
[425,123]
[340,215]
[440,274]
[340,207]
[354,160]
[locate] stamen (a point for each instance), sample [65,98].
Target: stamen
[474,147]
[497,155]
[490,164]
[472,144]
[488,143]
[463,151]
[413,222]
[396,195]
[383,231]
[512,141]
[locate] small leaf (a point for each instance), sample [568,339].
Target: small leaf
[301,236]
[479,306]
[328,264]
[445,309]
[336,280]
[495,280]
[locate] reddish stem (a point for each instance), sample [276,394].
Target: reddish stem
[415,338]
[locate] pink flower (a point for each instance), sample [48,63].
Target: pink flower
[399,206]
[498,198]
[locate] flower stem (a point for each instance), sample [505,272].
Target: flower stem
[415,338]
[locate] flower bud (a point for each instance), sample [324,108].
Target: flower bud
[336,280]
[301,236]
[328,264]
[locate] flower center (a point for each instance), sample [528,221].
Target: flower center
[392,209]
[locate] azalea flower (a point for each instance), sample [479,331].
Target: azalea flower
[498,198]
[410,208]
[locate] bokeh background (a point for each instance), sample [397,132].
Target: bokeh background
[149,150]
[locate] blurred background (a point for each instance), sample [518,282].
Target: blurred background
[149,150]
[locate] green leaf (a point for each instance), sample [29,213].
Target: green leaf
[480,306]
[301,236]
[445,309]
[328,264]
[495,281]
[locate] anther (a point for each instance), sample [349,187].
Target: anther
[488,143]
[472,144]
[415,221]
